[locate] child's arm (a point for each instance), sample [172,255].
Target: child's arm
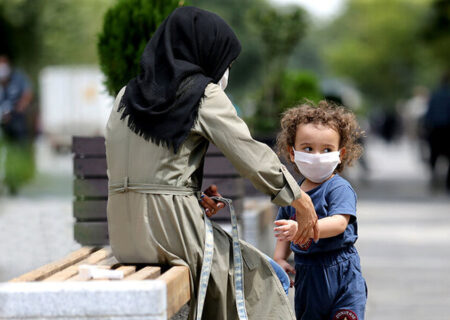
[333,226]
[328,227]
[281,254]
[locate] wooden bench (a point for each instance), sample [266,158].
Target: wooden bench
[58,291]
[90,187]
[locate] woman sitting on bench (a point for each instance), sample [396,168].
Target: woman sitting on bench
[157,135]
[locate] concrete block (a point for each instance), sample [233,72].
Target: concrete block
[91,300]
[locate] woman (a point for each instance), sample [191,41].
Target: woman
[156,139]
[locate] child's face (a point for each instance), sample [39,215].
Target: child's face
[315,138]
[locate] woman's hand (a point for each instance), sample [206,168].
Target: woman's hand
[211,206]
[286,229]
[306,220]
[288,268]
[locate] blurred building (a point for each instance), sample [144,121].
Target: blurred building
[74,101]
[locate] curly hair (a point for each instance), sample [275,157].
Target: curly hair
[327,114]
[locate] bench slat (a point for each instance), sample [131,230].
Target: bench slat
[91,233]
[96,167]
[90,187]
[228,187]
[89,210]
[127,270]
[89,146]
[51,268]
[145,274]
[89,167]
[178,288]
[72,270]
[219,167]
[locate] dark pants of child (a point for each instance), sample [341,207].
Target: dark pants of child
[330,286]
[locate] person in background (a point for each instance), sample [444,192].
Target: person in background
[16,160]
[437,126]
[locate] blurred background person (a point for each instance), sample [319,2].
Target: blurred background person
[437,127]
[16,158]
[413,111]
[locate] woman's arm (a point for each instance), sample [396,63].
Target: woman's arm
[219,123]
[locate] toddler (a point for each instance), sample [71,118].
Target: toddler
[321,141]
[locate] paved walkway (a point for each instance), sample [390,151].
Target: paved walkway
[404,242]
[36,227]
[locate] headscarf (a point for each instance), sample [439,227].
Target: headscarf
[190,49]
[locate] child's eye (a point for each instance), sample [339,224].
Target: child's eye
[307,149]
[327,150]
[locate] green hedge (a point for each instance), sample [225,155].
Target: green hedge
[127,27]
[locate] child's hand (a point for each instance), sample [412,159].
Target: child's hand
[288,268]
[286,229]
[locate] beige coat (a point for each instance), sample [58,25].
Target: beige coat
[167,226]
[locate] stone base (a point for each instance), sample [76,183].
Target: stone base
[131,300]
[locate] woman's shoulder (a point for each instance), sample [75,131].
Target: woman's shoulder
[118,98]
[214,100]
[212,89]
[120,94]
[214,94]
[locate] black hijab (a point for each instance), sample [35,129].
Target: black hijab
[190,49]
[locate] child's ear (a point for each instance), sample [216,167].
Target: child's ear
[342,153]
[290,149]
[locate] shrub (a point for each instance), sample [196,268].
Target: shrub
[296,87]
[127,27]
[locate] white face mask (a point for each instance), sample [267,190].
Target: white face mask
[5,71]
[316,167]
[224,81]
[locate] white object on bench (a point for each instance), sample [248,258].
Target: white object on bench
[88,272]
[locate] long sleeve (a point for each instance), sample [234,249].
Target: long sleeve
[219,123]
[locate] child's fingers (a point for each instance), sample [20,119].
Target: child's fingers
[281,222]
[282,228]
[290,269]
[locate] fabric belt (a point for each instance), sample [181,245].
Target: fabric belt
[151,189]
[209,240]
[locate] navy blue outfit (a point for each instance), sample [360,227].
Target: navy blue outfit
[328,281]
[10,94]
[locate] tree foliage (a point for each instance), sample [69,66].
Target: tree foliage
[436,31]
[127,27]
[280,31]
[248,71]
[376,44]
[298,86]
[47,32]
